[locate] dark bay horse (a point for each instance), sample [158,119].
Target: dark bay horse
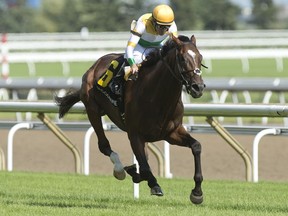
[153,107]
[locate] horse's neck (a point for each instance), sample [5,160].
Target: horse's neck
[161,84]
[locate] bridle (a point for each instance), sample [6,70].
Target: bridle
[181,77]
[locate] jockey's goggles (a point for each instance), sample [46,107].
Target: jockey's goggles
[163,27]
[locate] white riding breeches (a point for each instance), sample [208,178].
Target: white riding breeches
[140,53]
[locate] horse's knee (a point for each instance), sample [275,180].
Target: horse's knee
[196,147]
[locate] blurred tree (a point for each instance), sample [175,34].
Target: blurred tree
[69,19]
[216,15]
[116,15]
[111,15]
[264,14]
[51,16]
[205,14]
[102,15]
[185,14]
[18,18]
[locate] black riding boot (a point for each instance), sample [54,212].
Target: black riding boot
[116,85]
[117,88]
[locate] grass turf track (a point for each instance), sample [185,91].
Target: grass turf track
[220,68]
[70,194]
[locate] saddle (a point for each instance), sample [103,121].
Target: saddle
[112,83]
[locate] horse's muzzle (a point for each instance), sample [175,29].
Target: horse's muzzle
[197,90]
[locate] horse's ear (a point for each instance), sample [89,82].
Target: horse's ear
[193,39]
[176,40]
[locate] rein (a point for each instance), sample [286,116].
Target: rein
[204,66]
[182,79]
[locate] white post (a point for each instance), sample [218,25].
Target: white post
[10,142]
[87,149]
[136,185]
[256,142]
[279,63]
[266,100]
[168,174]
[245,65]
[4,51]
[32,96]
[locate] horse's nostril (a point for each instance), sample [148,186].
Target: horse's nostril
[195,87]
[198,87]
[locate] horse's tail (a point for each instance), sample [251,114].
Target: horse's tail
[66,102]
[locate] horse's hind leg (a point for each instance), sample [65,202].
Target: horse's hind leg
[94,115]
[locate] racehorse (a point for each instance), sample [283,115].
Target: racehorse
[153,107]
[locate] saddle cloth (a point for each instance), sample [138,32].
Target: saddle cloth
[104,82]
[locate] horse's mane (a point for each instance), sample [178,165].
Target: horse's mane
[159,53]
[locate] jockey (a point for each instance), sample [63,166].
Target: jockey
[151,30]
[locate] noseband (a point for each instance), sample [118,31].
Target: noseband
[180,78]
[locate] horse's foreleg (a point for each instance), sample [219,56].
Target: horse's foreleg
[132,171]
[196,196]
[103,143]
[145,171]
[182,138]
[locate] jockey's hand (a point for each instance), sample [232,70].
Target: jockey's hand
[134,69]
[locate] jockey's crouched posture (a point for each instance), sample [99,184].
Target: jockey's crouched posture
[150,31]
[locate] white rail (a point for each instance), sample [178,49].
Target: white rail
[264,37]
[72,47]
[117,44]
[86,56]
[223,83]
[247,110]
[229,110]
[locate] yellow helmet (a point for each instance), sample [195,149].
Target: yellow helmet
[163,15]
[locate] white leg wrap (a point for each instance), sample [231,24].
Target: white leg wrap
[119,171]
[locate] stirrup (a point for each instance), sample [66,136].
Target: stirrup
[116,88]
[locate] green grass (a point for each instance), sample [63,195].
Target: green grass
[220,68]
[68,194]
[258,68]
[53,69]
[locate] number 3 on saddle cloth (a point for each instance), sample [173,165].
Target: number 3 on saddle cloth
[112,84]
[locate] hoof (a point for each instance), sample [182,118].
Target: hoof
[156,190]
[120,175]
[119,172]
[196,199]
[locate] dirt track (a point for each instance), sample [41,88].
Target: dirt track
[41,151]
